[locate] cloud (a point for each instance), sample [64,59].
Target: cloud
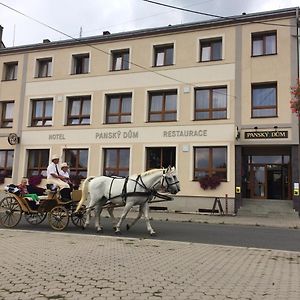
[113,15]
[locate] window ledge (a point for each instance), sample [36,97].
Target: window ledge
[169,65]
[40,77]
[79,73]
[9,80]
[263,55]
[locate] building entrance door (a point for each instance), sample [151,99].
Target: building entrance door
[259,182]
[269,181]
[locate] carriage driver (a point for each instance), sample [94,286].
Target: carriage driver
[54,177]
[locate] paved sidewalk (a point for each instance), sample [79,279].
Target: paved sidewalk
[46,265]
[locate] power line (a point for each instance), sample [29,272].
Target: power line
[138,19]
[87,44]
[212,15]
[103,51]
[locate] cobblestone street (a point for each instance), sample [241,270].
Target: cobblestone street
[39,265]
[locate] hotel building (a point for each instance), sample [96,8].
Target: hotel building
[210,98]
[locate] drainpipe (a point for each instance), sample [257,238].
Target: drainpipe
[298,42]
[298,75]
[17,153]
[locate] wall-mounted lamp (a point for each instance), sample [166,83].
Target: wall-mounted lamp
[237,134]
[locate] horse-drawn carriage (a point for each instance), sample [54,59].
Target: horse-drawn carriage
[102,192]
[59,212]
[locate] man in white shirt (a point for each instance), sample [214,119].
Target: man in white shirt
[54,177]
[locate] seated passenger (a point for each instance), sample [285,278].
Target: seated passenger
[33,187]
[54,177]
[24,191]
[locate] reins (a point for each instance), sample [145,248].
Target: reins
[149,193]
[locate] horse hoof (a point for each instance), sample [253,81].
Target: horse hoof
[114,228]
[153,233]
[118,232]
[127,227]
[100,230]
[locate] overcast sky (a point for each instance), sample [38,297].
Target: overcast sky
[96,16]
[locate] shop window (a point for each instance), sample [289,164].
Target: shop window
[42,110]
[116,162]
[44,67]
[162,106]
[80,63]
[264,43]
[120,60]
[160,157]
[7,109]
[264,100]
[118,108]
[10,71]
[163,55]
[211,103]
[38,160]
[211,49]
[210,161]
[79,109]
[77,159]
[6,163]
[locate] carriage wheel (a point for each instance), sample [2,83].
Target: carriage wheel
[58,218]
[35,218]
[10,212]
[79,218]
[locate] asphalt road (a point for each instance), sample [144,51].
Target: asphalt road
[219,234]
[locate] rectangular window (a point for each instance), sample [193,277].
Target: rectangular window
[160,157]
[6,163]
[80,64]
[162,106]
[120,60]
[118,108]
[42,110]
[79,110]
[38,160]
[7,109]
[211,103]
[10,71]
[44,67]
[116,162]
[264,100]
[77,159]
[210,161]
[163,55]
[211,49]
[264,43]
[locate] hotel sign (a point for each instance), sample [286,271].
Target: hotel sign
[280,134]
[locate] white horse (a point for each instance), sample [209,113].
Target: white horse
[127,192]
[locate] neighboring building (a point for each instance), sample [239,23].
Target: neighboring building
[209,98]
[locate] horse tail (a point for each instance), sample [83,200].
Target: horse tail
[84,192]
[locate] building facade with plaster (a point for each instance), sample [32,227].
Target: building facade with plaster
[210,98]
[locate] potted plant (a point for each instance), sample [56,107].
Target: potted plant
[210,182]
[295,101]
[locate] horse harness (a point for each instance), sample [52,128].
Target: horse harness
[149,192]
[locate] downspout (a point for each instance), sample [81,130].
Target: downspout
[298,41]
[17,167]
[298,68]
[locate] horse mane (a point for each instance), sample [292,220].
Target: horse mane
[149,172]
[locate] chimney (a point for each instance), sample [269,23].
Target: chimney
[1,31]
[46,41]
[106,32]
